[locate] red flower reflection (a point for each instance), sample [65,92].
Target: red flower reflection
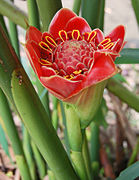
[70,56]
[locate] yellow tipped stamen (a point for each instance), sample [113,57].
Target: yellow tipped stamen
[63,35]
[94,33]
[57,72]
[108,46]
[105,42]
[75,34]
[45,62]
[50,41]
[69,77]
[77,72]
[44,46]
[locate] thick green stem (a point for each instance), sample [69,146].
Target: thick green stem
[123,93]
[95,146]
[76,6]
[29,154]
[16,15]
[41,165]
[2,23]
[11,130]
[14,37]
[75,141]
[87,159]
[33,14]
[47,10]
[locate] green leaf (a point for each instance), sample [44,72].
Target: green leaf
[3,141]
[135,5]
[130,173]
[128,56]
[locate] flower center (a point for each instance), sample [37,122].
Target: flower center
[71,55]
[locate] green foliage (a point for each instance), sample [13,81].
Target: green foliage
[130,173]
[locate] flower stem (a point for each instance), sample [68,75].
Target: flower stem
[123,93]
[16,15]
[87,159]
[75,141]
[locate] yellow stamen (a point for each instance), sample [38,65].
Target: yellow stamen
[75,33]
[105,42]
[57,72]
[45,62]
[77,72]
[43,43]
[49,39]
[90,34]
[108,46]
[64,34]
[69,77]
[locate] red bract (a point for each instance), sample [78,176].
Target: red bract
[71,57]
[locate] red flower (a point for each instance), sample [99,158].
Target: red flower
[71,57]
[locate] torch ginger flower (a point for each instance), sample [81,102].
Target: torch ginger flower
[72,61]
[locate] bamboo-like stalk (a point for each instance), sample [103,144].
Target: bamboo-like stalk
[11,130]
[76,6]
[2,23]
[47,10]
[76,141]
[115,87]
[29,154]
[41,165]
[19,90]
[33,14]
[16,15]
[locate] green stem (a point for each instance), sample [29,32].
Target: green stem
[47,10]
[134,153]
[135,5]
[29,153]
[76,6]
[95,146]
[16,15]
[11,130]
[55,112]
[33,13]
[87,159]
[75,141]
[123,93]
[41,165]
[2,23]
[14,37]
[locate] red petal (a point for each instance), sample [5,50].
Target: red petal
[102,69]
[47,72]
[59,21]
[117,35]
[33,54]
[99,36]
[59,86]
[33,34]
[78,23]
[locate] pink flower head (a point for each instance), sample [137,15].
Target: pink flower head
[71,57]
